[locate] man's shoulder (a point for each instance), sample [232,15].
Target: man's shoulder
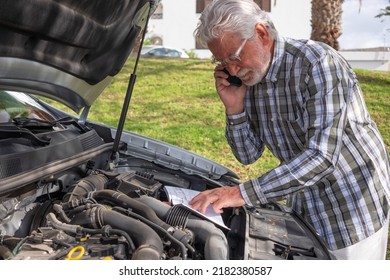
[308,54]
[306,48]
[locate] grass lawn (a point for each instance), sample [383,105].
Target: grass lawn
[175,101]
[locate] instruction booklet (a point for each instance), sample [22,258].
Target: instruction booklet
[180,196]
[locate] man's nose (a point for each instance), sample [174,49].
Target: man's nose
[233,69]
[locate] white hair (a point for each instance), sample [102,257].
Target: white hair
[234,16]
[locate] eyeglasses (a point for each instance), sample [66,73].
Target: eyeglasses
[232,59]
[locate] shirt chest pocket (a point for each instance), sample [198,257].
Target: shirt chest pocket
[291,113]
[293,128]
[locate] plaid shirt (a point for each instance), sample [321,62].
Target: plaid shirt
[310,113]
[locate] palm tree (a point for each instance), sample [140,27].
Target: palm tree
[384,12]
[326,21]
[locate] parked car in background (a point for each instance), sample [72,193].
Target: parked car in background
[161,51]
[71,188]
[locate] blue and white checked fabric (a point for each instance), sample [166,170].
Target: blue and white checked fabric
[310,113]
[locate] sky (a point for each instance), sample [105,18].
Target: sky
[362,29]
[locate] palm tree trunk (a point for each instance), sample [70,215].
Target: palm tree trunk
[326,21]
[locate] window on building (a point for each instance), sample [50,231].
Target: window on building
[201,4]
[265,5]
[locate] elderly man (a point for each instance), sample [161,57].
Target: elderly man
[301,100]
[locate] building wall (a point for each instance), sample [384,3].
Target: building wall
[177,24]
[369,60]
[291,18]
[179,21]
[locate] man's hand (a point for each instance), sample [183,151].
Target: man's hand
[231,96]
[219,198]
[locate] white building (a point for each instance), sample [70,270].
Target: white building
[174,22]
[369,59]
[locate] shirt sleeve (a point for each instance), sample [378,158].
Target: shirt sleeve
[244,143]
[328,85]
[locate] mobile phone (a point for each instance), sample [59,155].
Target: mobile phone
[233,80]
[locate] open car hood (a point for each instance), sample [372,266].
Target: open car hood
[68,50]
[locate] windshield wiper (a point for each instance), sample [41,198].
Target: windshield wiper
[22,126]
[34,123]
[12,132]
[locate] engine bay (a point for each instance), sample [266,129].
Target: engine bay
[104,215]
[72,199]
[126,215]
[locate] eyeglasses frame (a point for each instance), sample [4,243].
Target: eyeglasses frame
[231,59]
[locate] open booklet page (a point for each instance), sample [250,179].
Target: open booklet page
[183,196]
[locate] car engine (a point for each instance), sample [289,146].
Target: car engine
[72,199]
[105,215]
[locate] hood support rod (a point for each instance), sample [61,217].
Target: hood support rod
[126,103]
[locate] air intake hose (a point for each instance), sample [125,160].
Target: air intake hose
[146,240]
[215,242]
[122,200]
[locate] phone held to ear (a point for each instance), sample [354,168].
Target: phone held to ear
[233,80]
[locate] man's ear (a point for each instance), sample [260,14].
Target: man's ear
[262,32]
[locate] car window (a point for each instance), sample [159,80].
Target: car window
[157,52]
[146,49]
[173,53]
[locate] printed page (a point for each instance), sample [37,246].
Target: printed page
[183,196]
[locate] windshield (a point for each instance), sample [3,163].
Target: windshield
[20,105]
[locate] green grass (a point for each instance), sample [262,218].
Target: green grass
[376,89]
[175,101]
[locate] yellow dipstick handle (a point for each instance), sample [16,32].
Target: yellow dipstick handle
[79,249]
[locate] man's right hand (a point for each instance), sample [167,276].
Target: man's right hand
[231,96]
[218,198]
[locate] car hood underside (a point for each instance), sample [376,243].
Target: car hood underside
[68,49]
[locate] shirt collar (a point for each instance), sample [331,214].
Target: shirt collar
[276,59]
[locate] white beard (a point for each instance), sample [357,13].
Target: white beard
[254,75]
